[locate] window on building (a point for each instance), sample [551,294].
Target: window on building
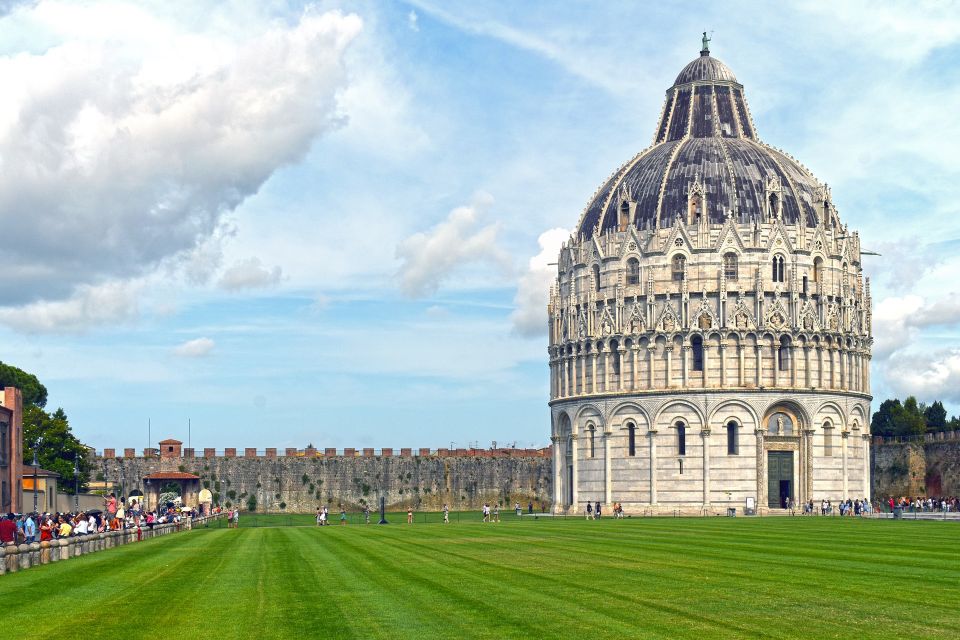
[827,439]
[733,440]
[818,269]
[596,276]
[679,267]
[631,439]
[730,266]
[614,356]
[593,440]
[696,347]
[783,354]
[681,439]
[624,215]
[805,285]
[633,271]
[778,269]
[681,466]
[696,209]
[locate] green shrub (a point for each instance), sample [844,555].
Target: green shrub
[216,486]
[283,505]
[304,479]
[206,484]
[252,503]
[232,494]
[366,489]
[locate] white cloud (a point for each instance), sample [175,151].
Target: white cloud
[427,259]
[124,144]
[250,274]
[927,376]
[196,348]
[412,21]
[533,290]
[114,301]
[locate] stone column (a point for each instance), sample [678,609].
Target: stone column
[607,368]
[685,365]
[723,362]
[866,466]
[653,466]
[842,356]
[756,349]
[705,435]
[806,365]
[651,354]
[741,371]
[761,472]
[574,454]
[593,372]
[633,370]
[562,368]
[607,475]
[669,351]
[623,367]
[706,363]
[809,478]
[583,369]
[793,365]
[557,474]
[776,362]
[843,443]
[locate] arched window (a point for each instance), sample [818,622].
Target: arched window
[696,347]
[805,285]
[596,276]
[681,439]
[778,270]
[624,215]
[733,440]
[818,269]
[631,439]
[827,438]
[696,209]
[615,356]
[730,266]
[774,205]
[679,267]
[633,271]
[783,354]
[593,440]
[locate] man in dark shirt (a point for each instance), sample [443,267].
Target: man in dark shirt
[8,530]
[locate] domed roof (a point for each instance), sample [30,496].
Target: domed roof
[706,141]
[705,69]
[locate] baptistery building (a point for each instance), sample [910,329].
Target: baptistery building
[710,326]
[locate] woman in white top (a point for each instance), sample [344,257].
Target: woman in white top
[82,527]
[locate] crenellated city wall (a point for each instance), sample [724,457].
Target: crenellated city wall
[300,480]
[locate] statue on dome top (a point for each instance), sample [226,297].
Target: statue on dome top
[706,43]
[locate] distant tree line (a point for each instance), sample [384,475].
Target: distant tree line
[911,418]
[58,446]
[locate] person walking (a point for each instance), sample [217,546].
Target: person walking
[496,512]
[446,514]
[366,513]
[589,511]
[319,513]
[596,510]
[343,515]
[519,510]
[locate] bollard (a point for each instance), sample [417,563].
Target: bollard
[11,558]
[45,552]
[24,550]
[34,554]
[64,548]
[3,561]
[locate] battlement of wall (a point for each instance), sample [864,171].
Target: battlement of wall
[309,452]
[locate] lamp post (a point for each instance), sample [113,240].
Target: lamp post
[146,495]
[36,467]
[76,485]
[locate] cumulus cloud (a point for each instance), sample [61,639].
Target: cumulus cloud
[412,21]
[250,274]
[123,145]
[114,301]
[429,258]
[927,376]
[533,290]
[196,348]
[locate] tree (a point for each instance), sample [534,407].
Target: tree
[59,447]
[883,419]
[911,420]
[936,416]
[33,392]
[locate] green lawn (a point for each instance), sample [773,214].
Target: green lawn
[662,577]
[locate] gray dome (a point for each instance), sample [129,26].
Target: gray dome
[705,136]
[705,69]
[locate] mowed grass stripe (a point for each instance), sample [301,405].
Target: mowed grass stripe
[670,578]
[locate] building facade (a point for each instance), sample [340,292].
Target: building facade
[710,326]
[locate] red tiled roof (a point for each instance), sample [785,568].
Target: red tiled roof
[171,475]
[170,441]
[27,472]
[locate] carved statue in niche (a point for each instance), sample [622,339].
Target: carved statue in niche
[776,320]
[636,320]
[582,326]
[742,321]
[668,323]
[705,321]
[606,326]
[779,425]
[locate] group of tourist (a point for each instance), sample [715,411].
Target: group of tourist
[925,504]
[593,511]
[491,515]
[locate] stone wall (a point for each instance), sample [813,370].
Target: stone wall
[300,483]
[929,467]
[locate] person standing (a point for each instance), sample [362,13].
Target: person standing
[596,510]
[30,529]
[410,515]
[486,512]
[319,513]
[589,511]
[530,507]
[446,514]
[519,510]
[496,512]
[343,515]
[366,513]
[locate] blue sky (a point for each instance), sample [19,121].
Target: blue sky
[330,223]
